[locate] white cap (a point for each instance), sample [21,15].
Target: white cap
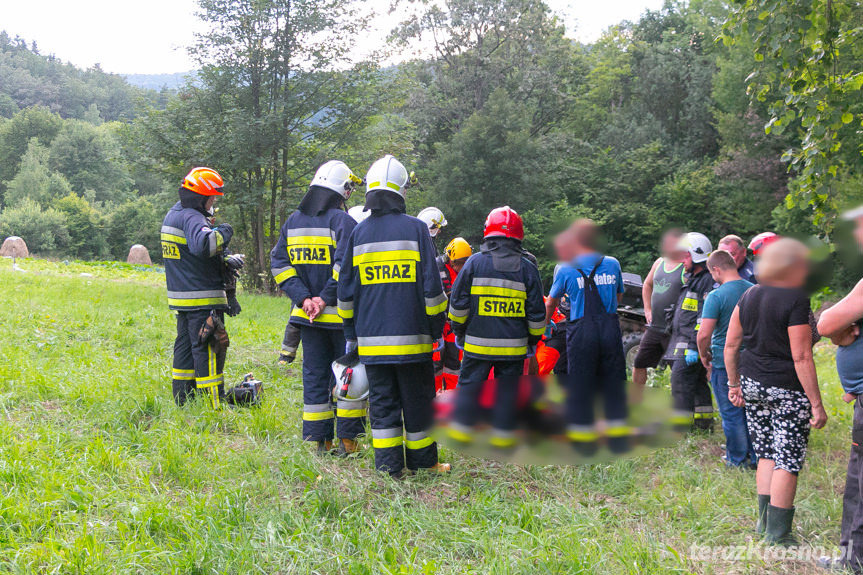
[433,218]
[359,213]
[698,246]
[336,176]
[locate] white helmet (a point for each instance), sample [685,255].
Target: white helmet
[387,174]
[352,383]
[698,246]
[433,218]
[336,176]
[359,213]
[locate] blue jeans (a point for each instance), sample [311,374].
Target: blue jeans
[737,442]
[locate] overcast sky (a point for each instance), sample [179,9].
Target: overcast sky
[149,36]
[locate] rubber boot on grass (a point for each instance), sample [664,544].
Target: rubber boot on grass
[324,447]
[778,530]
[763,503]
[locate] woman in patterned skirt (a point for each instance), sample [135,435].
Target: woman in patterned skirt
[774,377]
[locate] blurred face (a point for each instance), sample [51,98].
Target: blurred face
[211,201]
[458,264]
[858,231]
[669,248]
[737,252]
[564,246]
[797,275]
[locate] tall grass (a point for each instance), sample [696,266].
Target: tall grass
[101,473]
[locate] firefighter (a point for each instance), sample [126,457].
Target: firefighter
[448,357]
[498,316]
[306,263]
[195,263]
[690,391]
[596,364]
[434,219]
[393,306]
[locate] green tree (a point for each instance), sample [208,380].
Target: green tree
[90,158]
[84,223]
[35,181]
[15,136]
[134,222]
[44,230]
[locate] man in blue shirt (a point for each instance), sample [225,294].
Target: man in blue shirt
[594,285]
[715,316]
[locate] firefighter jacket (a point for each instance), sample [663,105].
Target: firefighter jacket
[687,314]
[307,259]
[390,293]
[498,314]
[192,253]
[447,273]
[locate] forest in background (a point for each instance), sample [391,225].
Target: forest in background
[711,117]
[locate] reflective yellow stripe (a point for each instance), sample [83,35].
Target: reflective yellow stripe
[384,442]
[440,308]
[456,318]
[295,241]
[322,318]
[459,435]
[287,274]
[502,441]
[198,301]
[351,412]
[622,431]
[173,238]
[690,304]
[346,313]
[582,435]
[487,350]
[682,419]
[335,274]
[413,349]
[536,331]
[708,415]
[317,415]
[418,443]
[501,291]
[386,256]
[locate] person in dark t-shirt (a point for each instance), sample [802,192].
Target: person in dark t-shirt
[774,377]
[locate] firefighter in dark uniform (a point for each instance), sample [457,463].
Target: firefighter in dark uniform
[306,263]
[596,364]
[194,253]
[393,306]
[447,358]
[498,316]
[690,391]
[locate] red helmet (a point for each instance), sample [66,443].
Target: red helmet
[761,241]
[504,223]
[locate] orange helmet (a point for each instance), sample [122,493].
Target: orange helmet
[204,181]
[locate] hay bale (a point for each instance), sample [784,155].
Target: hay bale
[138,254]
[14,247]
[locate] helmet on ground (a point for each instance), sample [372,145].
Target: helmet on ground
[698,246]
[204,181]
[352,383]
[504,223]
[761,241]
[336,176]
[458,249]
[387,174]
[433,218]
[359,213]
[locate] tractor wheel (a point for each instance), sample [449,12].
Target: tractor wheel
[631,342]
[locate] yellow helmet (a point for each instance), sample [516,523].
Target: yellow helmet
[458,249]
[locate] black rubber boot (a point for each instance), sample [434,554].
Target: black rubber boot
[763,502]
[324,447]
[778,530]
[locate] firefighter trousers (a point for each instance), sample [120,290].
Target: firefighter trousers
[196,366]
[320,348]
[401,415]
[473,386]
[690,393]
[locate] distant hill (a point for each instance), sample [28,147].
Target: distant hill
[159,81]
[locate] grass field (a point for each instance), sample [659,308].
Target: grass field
[101,473]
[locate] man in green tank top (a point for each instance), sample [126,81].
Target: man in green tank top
[660,293]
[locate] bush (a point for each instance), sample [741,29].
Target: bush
[135,222]
[44,231]
[86,234]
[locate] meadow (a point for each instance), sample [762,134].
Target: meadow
[101,473]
